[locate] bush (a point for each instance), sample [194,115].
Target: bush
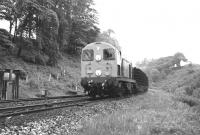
[29,58]
[33,84]
[189,100]
[188,91]
[154,75]
[41,59]
[5,39]
[196,93]
[190,71]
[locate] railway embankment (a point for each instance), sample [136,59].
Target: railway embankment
[154,112]
[57,81]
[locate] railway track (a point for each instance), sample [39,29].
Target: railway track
[37,99]
[28,101]
[34,108]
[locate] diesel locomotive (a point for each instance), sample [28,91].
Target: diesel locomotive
[105,72]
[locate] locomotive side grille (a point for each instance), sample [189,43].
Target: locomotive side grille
[108,69]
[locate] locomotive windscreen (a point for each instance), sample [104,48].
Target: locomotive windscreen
[109,54]
[88,55]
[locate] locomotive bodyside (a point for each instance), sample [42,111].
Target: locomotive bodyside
[126,69]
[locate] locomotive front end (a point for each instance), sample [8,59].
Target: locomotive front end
[98,68]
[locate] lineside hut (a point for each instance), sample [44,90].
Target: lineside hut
[9,84]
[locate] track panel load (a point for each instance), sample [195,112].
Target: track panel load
[141,79]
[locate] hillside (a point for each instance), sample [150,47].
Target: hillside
[183,81]
[49,78]
[167,74]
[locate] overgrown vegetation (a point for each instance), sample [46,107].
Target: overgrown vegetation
[158,69]
[105,36]
[167,74]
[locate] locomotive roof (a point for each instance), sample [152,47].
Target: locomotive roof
[108,44]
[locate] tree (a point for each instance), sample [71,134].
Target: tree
[110,31]
[157,69]
[83,29]
[53,25]
[105,36]
[5,40]
[178,57]
[9,12]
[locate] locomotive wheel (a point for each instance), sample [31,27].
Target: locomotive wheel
[101,94]
[134,89]
[121,89]
[145,89]
[113,92]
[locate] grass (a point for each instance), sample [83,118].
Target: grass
[150,114]
[191,101]
[144,122]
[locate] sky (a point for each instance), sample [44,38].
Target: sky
[153,28]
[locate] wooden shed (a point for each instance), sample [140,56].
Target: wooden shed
[9,84]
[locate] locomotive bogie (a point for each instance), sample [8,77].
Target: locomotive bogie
[112,86]
[99,86]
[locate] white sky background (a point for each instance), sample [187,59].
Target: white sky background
[153,28]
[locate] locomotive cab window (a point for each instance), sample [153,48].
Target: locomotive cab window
[88,55]
[109,54]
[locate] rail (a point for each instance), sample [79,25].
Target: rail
[37,99]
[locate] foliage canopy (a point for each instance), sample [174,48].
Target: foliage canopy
[51,26]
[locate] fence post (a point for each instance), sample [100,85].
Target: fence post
[57,77]
[49,78]
[27,79]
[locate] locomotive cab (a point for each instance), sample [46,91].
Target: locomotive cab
[99,59]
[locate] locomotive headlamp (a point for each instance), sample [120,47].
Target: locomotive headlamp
[98,57]
[98,72]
